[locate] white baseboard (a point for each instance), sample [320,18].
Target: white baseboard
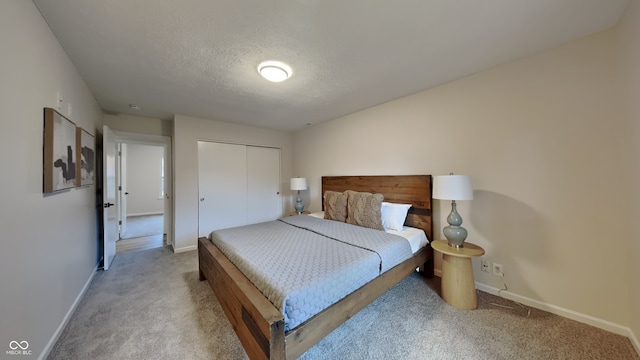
[145,213]
[634,341]
[569,314]
[185,249]
[56,335]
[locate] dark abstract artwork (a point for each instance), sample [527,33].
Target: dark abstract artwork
[86,157]
[60,159]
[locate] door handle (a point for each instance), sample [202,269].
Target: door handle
[107,205]
[201,199]
[126,193]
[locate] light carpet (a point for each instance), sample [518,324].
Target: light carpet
[150,305]
[143,225]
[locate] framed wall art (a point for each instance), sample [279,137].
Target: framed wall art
[85,151]
[59,165]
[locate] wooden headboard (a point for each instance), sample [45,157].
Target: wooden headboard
[402,189]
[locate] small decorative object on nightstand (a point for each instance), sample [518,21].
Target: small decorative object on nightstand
[299,184]
[453,187]
[457,286]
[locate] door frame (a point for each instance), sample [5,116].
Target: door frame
[121,183]
[164,141]
[109,198]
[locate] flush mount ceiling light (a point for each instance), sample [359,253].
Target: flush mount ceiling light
[275,71]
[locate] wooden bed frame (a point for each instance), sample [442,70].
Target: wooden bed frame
[260,326]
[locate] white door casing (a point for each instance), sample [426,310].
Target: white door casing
[122,186]
[156,140]
[110,215]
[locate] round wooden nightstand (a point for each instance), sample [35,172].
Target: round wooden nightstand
[458,288]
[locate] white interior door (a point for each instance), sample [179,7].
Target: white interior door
[122,186]
[166,186]
[110,215]
[222,184]
[263,169]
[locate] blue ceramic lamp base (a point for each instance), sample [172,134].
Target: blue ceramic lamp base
[455,234]
[299,204]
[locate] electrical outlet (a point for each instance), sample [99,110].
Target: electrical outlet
[485,265]
[498,269]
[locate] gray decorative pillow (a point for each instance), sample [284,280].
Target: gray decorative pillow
[363,209]
[335,206]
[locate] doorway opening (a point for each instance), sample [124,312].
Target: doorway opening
[143,183]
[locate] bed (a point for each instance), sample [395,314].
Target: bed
[260,326]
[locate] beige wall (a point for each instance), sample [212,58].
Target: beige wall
[138,124]
[629,32]
[143,178]
[49,243]
[187,132]
[540,138]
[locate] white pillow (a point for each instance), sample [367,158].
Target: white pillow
[394,215]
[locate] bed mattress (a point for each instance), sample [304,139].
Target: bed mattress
[416,237]
[303,264]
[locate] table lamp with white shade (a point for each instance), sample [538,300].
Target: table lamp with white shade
[453,187]
[299,184]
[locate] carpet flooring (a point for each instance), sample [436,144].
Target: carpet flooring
[150,305]
[144,225]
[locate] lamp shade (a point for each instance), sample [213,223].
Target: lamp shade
[452,187]
[298,184]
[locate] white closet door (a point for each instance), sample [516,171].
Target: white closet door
[264,202]
[222,184]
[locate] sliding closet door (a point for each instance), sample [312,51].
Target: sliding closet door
[263,190]
[222,184]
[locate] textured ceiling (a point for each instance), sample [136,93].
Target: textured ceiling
[199,57]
